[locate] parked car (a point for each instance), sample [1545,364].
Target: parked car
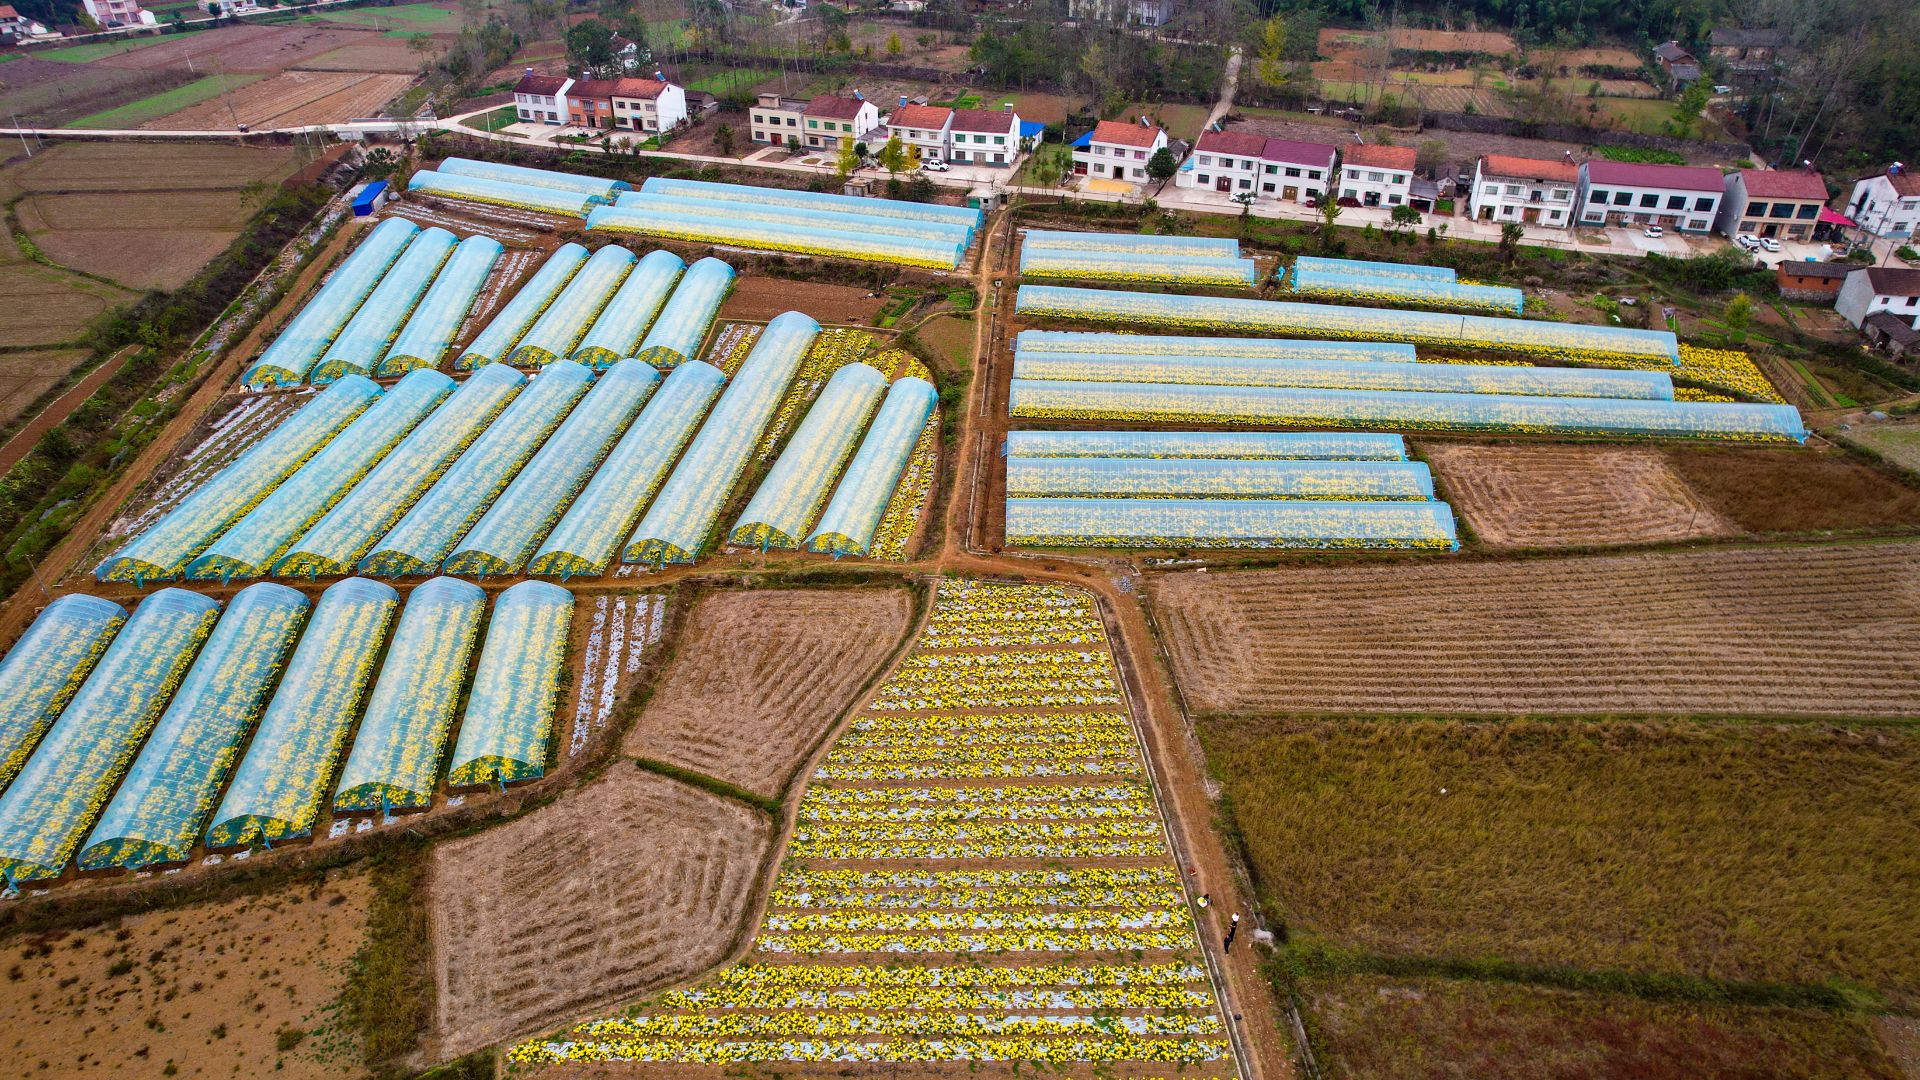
[1769,243]
[1653,231]
[933,165]
[1748,241]
[1722,89]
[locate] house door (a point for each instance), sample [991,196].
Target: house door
[1373,198]
[1486,213]
[1290,194]
[1530,215]
[1079,168]
[1769,229]
[1223,184]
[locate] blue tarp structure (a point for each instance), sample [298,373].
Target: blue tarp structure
[369,198]
[1032,129]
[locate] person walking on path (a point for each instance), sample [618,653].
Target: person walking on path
[1227,945]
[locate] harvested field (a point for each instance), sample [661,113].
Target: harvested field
[1897,442]
[760,677]
[24,376]
[368,54]
[204,990]
[1456,41]
[759,297]
[291,99]
[1777,853]
[50,306]
[1372,1028]
[1570,496]
[238,48]
[133,166]
[205,209]
[47,93]
[147,250]
[1794,491]
[1783,632]
[635,882]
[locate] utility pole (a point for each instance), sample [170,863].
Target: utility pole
[22,131]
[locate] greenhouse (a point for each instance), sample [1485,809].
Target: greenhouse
[1245,445]
[395,761]
[1229,523]
[851,519]
[682,326]
[168,545]
[813,200]
[257,541]
[504,330]
[281,784]
[506,534]
[307,335]
[1047,262]
[933,251]
[428,532]
[839,221]
[680,519]
[516,688]
[363,344]
[1572,341]
[437,319]
[1367,288]
[547,178]
[790,497]
[1322,265]
[161,808]
[587,540]
[554,334]
[543,200]
[1073,341]
[1176,478]
[1345,375]
[45,667]
[616,334]
[1133,243]
[51,804]
[335,543]
[1511,414]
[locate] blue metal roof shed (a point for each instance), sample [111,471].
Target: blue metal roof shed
[370,198]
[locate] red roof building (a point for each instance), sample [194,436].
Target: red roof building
[1625,194]
[1120,133]
[1782,203]
[1379,157]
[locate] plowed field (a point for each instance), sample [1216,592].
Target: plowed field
[1796,631]
[1570,496]
[292,99]
[239,48]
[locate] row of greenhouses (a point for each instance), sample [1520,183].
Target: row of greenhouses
[1217,478]
[511,194]
[1248,445]
[1076,341]
[1419,292]
[142,736]
[1173,260]
[1230,523]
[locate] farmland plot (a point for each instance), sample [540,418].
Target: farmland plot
[618,633]
[1570,496]
[123,166]
[24,376]
[291,99]
[144,240]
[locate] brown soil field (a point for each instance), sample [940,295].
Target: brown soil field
[48,306]
[293,98]
[759,297]
[367,53]
[48,93]
[630,884]
[24,376]
[1601,57]
[1373,1028]
[1792,491]
[240,48]
[760,677]
[137,258]
[203,990]
[1452,41]
[204,209]
[132,166]
[1794,631]
[1569,496]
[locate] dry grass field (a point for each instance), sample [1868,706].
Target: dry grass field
[240,987]
[125,166]
[1793,631]
[293,98]
[245,48]
[368,54]
[1794,491]
[1777,853]
[1569,496]
[629,884]
[760,676]
[24,376]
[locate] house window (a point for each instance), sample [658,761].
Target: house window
[1782,210]
[1245,184]
[1139,174]
[1553,215]
[1205,160]
[1313,174]
[1271,170]
[1293,172]
[1649,201]
[1226,163]
[1697,223]
[1676,202]
[1205,179]
[1393,200]
[1268,188]
[1808,211]
[1701,206]
[1758,209]
[1512,189]
[1347,194]
[813,123]
[1596,196]
[1375,176]
[1492,189]
[1622,198]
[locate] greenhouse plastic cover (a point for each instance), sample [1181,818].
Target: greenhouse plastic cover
[1134,243]
[616,334]
[554,334]
[158,813]
[1195,523]
[1247,445]
[493,343]
[363,344]
[506,534]
[589,535]
[1373,269]
[338,539]
[681,517]
[802,217]
[437,319]
[700,189]
[45,667]
[1345,375]
[788,499]
[1173,478]
[167,546]
[1335,320]
[521,174]
[298,346]
[860,501]
[1038,261]
[1076,341]
[545,200]
[844,239]
[50,805]
[1395,409]
[1410,290]
[395,760]
[257,541]
[682,325]
[427,534]
[280,785]
[516,688]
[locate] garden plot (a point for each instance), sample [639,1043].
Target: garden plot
[621,629]
[760,676]
[24,376]
[1570,496]
[507,275]
[508,236]
[291,99]
[1794,631]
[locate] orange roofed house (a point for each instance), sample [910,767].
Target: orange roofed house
[1115,150]
[1376,175]
[644,105]
[1531,191]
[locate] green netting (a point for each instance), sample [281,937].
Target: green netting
[50,805]
[559,328]
[158,813]
[396,755]
[493,344]
[614,335]
[44,669]
[789,499]
[280,786]
[362,345]
[437,320]
[516,688]
[299,345]
[851,519]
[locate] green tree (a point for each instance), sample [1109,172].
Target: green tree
[1510,234]
[1271,63]
[1329,213]
[893,156]
[1739,315]
[894,48]
[1161,166]
[1431,155]
[723,140]
[1686,109]
[1403,218]
[590,47]
[847,161]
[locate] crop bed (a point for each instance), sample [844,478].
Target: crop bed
[622,629]
[1571,496]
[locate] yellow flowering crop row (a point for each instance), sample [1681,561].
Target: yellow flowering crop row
[910,495]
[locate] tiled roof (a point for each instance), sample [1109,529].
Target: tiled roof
[7,12]
[1565,172]
[1740,37]
[1893,281]
[1380,157]
[921,116]
[1319,155]
[1237,143]
[1677,177]
[1784,184]
[1905,184]
[834,107]
[1805,268]
[989,121]
[541,85]
[594,88]
[1670,51]
[1117,132]
[1893,326]
[638,88]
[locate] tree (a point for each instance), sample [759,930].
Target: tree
[420,44]
[1739,315]
[1431,155]
[723,140]
[893,156]
[894,48]
[1403,218]
[1329,213]
[1510,234]
[1686,110]
[847,161]
[1161,166]
[590,47]
[1271,64]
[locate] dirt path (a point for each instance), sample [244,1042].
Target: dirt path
[62,407]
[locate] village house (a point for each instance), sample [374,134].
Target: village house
[985,136]
[17,27]
[1224,161]
[1744,52]
[111,13]
[1679,65]
[775,120]
[1887,205]
[1294,171]
[1783,203]
[650,105]
[926,127]
[1116,150]
[828,118]
[1811,282]
[1376,175]
[1620,193]
[1148,13]
[541,99]
[1872,290]
[1530,191]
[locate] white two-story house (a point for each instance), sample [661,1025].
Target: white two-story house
[650,105]
[1683,197]
[1227,162]
[829,118]
[924,126]
[1376,175]
[1115,150]
[776,120]
[1887,204]
[1294,171]
[985,136]
[1871,290]
[1530,191]
[541,99]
